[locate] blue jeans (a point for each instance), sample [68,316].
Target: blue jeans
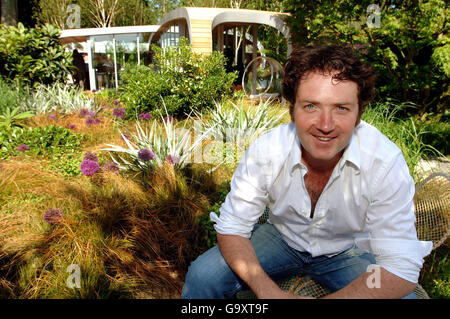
[209,276]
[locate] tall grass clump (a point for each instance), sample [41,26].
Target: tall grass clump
[127,240]
[403,132]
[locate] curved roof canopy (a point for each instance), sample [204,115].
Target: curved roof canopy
[202,21]
[81,35]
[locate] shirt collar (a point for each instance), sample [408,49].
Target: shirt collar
[295,157]
[351,154]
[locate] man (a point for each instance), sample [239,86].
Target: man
[80,69]
[339,193]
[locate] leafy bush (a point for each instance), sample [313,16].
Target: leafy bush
[32,56]
[435,133]
[435,273]
[11,118]
[184,79]
[10,97]
[67,164]
[48,140]
[206,224]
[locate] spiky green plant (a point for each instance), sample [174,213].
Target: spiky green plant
[167,141]
[237,126]
[59,97]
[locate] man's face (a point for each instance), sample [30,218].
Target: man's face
[325,115]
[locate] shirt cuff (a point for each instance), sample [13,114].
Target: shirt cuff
[229,227]
[402,257]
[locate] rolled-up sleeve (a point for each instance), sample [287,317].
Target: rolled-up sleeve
[248,197]
[390,223]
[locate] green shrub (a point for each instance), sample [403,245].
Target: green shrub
[184,79]
[10,97]
[67,164]
[205,222]
[11,118]
[435,133]
[435,274]
[32,56]
[49,140]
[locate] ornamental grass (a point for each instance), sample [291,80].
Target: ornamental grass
[129,239]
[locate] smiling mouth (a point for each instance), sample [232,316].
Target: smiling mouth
[323,139]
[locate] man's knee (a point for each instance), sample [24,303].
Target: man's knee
[208,276]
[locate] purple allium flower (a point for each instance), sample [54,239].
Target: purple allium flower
[53,215]
[94,90]
[83,112]
[90,156]
[119,112]
[89,121]
[146,154]
[167,119]
[173,159]
[86,112]
[72,126]
[115,102]
[52,117]
[111,167]
[145,116]
[89,167]
[23,148]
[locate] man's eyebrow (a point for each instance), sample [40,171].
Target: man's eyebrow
[317,102]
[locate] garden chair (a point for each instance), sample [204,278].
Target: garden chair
[432,209]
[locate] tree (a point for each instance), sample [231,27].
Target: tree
[135,12]
[104,13]
[101,12]
[53,12]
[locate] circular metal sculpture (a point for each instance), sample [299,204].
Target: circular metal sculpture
[262,78]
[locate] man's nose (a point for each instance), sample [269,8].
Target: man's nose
[325,122]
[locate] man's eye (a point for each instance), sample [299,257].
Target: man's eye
[309,106]
[342,108]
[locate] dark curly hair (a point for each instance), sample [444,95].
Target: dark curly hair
[328,58]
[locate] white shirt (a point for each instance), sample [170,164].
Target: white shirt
[368,200]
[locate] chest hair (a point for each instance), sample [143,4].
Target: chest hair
[315,183]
